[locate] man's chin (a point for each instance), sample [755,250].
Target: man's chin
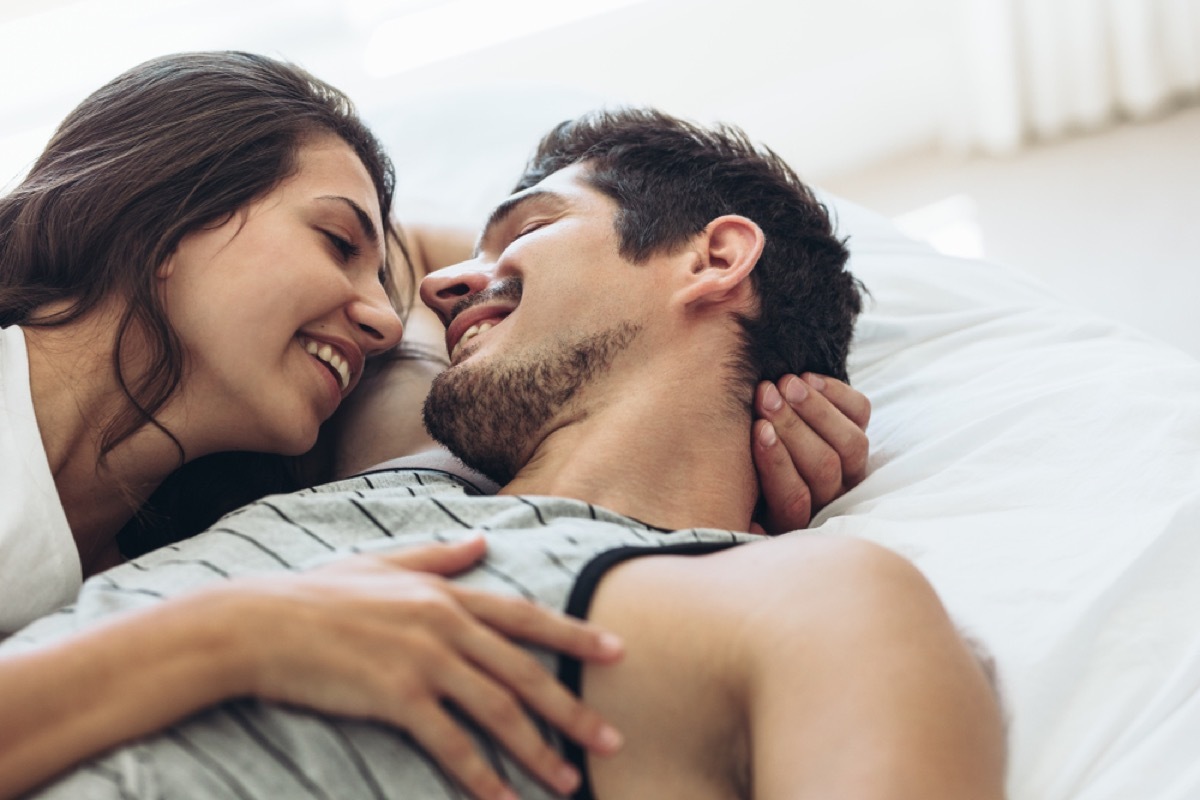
[457,416]
[489,412]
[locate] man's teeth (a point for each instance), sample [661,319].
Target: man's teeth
[330,357]
[469,334]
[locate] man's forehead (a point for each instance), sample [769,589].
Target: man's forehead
[571,177]
[567,184]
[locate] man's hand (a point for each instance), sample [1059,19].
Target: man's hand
[810,447]
[386,637]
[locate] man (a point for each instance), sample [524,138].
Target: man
[607,339]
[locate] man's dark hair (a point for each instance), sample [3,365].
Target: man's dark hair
[670,178]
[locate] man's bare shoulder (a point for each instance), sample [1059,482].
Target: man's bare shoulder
[793,581]
[786,643]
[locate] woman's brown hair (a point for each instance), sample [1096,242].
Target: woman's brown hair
[169,146]
[172,145]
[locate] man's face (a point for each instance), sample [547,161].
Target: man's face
[544,311]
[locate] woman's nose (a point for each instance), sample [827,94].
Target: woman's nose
[376,318]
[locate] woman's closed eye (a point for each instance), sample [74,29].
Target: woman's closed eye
[346,249]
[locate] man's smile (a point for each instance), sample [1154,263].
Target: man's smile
[472,323]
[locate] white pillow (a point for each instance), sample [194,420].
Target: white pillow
[1042,466]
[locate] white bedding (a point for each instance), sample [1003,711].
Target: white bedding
[1040,464]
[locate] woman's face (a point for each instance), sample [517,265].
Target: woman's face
[278,306]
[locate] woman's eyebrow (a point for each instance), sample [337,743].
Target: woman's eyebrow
[364,219]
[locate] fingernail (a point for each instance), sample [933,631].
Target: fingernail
[815,381]
[608,739]
[795,391]
[566,779]
[766,435]
[611,644]
[771,399]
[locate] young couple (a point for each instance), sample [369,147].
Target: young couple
[608,339]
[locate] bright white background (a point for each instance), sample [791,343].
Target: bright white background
[834,85]
[974,118]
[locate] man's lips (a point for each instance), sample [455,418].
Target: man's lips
[481,314]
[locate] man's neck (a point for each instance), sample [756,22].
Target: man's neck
[659,458]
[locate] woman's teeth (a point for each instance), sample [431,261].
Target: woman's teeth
[468,334]
[330,357]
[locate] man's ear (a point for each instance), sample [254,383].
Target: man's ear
[727,250]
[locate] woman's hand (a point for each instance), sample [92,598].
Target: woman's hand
[386,637]
[810,447]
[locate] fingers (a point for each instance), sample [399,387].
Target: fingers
[853,404]
[810,446]
[463,655]
[501,710]
[838,415]
[448,642]
[512,616]
[826,410]
[449,558]
[499,685]
[548,629]
[518,670]
[443,738]
[788,505]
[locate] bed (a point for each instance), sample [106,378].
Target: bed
[1042,467]
[1039,463]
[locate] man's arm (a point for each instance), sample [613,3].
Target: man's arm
[432,247]
[892,702]
[797,667]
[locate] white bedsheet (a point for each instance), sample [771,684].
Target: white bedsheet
[1042,466]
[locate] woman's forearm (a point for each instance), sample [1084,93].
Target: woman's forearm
[382,637]
[140,672]
[435,246]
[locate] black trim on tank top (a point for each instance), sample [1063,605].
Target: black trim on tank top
[570,670]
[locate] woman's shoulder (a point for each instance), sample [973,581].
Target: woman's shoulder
[39,564]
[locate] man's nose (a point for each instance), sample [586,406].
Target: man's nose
[444,289]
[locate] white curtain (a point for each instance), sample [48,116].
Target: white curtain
[1040,69]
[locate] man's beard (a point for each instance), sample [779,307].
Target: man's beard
[488,415]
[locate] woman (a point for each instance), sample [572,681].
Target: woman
[199,263]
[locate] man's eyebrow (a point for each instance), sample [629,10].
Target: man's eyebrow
[510,206]
[364,219]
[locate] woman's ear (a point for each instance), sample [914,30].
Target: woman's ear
[726,252]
